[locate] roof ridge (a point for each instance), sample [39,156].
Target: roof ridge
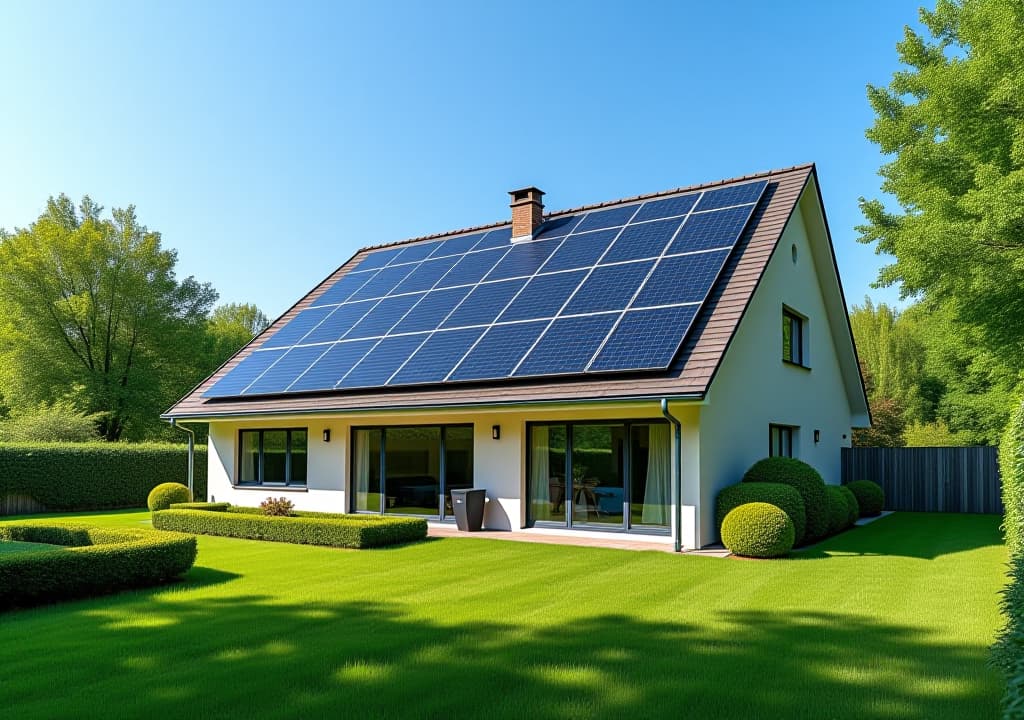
[594,206]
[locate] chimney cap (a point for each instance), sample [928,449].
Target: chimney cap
[526,194]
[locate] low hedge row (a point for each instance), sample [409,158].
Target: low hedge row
[94,476]
[306,529]
[90,561]
[213,506]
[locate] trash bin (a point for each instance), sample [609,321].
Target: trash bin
[468,504]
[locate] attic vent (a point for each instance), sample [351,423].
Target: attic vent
[527,212]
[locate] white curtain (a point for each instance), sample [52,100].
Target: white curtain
[659,470]
[362,473]
[539,473]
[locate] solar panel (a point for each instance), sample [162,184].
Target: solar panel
[437,356]
[498,351]
[542,296]
[608,290]
[326,372]
[382,361]
[645,339]
[567,346]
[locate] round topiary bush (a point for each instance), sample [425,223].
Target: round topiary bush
[838,510]
[852,505]
[805,480]
[161,497]
[784,497]
[870,497]
[758,530]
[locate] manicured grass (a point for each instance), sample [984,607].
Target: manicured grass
[891,620]
[15,546]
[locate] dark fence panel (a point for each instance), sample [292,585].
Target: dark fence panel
[953,479]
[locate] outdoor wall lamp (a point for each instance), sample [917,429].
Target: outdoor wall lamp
[817,436]
[327,434]
[495,432]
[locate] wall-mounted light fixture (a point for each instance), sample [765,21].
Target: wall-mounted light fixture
[327,434]
[817,436]
[495,432]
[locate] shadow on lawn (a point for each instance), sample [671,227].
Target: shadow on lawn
[916,535]
[250,657]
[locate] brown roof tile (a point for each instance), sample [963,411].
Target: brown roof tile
[690,373]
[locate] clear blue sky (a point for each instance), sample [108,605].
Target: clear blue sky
[268,143]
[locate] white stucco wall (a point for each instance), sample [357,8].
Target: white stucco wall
[499,465]
[755,388]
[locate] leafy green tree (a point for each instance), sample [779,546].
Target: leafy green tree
[94,302]
[57,422]
[934,434]
[952,122]
[230,327]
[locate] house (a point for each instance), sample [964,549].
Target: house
[605,368]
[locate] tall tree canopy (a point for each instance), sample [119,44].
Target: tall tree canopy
[953,123]
[231,326]
[92,311]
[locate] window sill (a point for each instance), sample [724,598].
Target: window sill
[273,488]
[796,364]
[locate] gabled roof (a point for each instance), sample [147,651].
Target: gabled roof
[688,376]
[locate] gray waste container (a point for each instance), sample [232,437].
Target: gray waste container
[469,508]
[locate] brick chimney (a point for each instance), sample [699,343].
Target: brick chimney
[527,212]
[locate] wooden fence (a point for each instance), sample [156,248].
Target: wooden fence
[953,479]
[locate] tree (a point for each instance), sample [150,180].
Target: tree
[230,327]
[953,123]
[95,303]
[57,422]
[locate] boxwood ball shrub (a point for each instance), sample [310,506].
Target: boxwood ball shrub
[83,561]
[838,510]
[870,497]
[758,530]
[852,505]
[165,494]
[802,478]
[784,497]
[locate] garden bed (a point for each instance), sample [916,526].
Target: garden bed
[304,528]
[70,561]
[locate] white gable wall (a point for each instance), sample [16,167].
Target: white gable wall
[755,388]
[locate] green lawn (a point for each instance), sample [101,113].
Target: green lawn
[16,546]
[891,620]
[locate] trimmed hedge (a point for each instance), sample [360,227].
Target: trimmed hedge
[91,561]
[852,505]
[784,497]
[212,506]
[758,530]
[94,476]
[805,480]
[165,494]
[1008,651]
[870,497]
[346,531]
[838,510]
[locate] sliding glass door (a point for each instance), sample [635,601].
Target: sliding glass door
[410,470]
[600,475]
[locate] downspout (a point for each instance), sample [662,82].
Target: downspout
[677,480]
[191,451]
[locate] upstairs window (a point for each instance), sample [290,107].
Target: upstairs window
[792,338]
[780,440]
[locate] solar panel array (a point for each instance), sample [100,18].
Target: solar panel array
[601,291]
